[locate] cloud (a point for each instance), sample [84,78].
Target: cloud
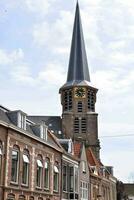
[7,57]
[21,73]
[54,35]
[53,74]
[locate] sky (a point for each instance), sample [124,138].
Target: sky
[35,39]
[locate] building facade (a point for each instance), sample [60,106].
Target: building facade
[30,165]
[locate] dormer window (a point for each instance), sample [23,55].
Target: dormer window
[43,132]
[21,120]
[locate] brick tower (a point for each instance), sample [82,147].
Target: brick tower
[78,97]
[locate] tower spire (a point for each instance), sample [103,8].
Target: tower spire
[78,65]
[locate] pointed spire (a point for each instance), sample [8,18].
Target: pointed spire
[78,65]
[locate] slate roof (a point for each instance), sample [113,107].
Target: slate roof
[54,123]
[78,72]
[5,118]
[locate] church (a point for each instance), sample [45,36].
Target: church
[57,157]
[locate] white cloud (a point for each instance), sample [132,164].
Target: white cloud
[52,74]
[10,57]
[54,35]
[21,73]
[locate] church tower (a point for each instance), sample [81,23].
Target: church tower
[78,97]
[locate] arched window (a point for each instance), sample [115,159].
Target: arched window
[68,100]
[31,198]
[10,197]
[25,170]
[39,171]
[15,164]
[40,198]
[22,197]
[56,177]
[91,100]
[0,157]
[47,174]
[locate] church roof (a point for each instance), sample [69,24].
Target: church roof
[78,73]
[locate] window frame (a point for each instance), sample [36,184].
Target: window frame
[64,178]
[18,165]
[84,190]
[41,172]
[56,175]
[47,160]
[28,166]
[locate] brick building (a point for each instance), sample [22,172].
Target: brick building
[30,159]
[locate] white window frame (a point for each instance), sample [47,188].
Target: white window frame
[39,165]
[65,179]
[47,166]
[43,132]
[17,177]
[84,190]
[56,171]
[26,160]
[21,120]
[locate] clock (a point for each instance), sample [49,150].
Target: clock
[79,92]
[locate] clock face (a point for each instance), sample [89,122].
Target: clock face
[80,92]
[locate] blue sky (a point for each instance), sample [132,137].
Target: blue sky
[35,37]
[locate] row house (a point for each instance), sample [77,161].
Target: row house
[30,159]
[102,181]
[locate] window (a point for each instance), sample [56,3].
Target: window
[39,173]
[68,100]
[80,125]
[43,131]
[22,197]
[22,120]
[31,198]
[84,190]
[83,125]
[76,179]
[71,179]
[25,170]
[15,166]
[64,178]
[56,177]
[79,106]
[10,197]
[91,100]
[47,174]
